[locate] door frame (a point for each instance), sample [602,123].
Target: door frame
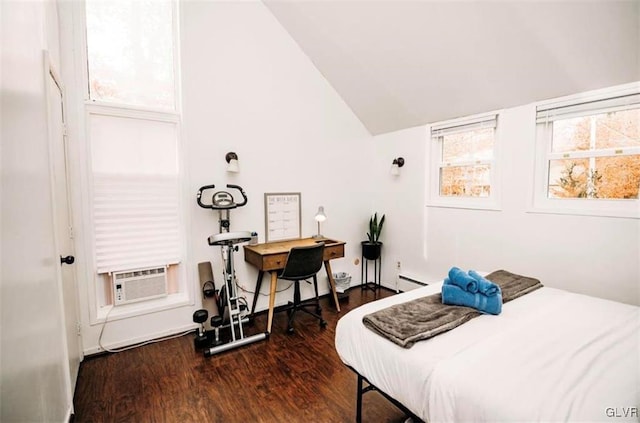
[51,74]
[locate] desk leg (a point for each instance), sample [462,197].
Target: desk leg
[332,283]
[257,293]
[272,298]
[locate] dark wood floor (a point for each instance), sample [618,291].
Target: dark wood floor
[287,378]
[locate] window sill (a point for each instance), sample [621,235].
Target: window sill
[126,311]
[620,214]
[489,206]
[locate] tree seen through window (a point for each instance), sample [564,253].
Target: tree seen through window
[598,165]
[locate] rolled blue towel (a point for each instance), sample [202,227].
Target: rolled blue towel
[485,286]
[460,278]
[454,295]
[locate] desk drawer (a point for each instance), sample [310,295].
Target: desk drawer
[274,261]
[273,256]
[333,251]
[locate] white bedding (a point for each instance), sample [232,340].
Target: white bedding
[550,355]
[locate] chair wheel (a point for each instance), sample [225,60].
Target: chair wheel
[323,323]
[290,330]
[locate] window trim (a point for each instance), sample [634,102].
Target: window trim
[434,199]
[541,203]
[95,295]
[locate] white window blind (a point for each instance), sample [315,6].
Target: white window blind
[136,199]
[549,113]
[481,122]
[136,221]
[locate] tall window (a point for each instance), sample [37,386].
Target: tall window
[591,159]
[463,162]
[133,129]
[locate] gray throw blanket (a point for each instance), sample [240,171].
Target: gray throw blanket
[423,318]
[512,285]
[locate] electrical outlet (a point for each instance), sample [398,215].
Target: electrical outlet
[398,264]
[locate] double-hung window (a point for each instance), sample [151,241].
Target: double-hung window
[463,163]
[589,154]
[132,122]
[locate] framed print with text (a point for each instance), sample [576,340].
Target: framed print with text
[282,216]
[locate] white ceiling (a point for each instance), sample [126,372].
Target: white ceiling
[400,64]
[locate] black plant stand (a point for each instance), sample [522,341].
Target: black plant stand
[364,273]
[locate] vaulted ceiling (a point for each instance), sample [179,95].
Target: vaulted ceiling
[400,64]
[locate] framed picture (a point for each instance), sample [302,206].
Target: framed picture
[282,216]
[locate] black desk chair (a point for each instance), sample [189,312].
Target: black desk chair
[303,263]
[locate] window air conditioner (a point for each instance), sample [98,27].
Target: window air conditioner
[139,285]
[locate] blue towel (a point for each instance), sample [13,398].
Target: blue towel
[485,286]
[460,278]
[453,295]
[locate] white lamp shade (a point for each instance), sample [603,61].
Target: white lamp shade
[233,166]
[320,216]
[395,170]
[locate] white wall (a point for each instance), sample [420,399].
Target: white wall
[401,199]
[248,88]
[592,255]
[34,369]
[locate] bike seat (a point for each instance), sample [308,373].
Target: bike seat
[229,238]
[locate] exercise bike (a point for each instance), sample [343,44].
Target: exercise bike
[231,308]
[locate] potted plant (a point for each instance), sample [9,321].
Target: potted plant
[372,247]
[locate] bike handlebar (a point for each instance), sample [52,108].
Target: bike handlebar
[213,206]
[244,195]
[200,203]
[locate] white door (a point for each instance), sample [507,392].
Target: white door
[64,234]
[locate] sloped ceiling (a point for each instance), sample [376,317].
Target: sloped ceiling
[400,64]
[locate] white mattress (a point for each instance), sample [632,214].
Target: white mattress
[550,355]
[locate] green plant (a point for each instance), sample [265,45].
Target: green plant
[375,227]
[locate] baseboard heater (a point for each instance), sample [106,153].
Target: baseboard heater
[139,285]
[412,280]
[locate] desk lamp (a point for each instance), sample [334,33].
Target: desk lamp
[320,217]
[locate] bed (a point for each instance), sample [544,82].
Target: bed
[551,355]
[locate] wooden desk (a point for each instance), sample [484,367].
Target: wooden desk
[271,257]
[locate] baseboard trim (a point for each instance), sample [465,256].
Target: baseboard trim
[158,336]
[412,280]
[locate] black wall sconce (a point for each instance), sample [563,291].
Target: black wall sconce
[396,165]
[232,159]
